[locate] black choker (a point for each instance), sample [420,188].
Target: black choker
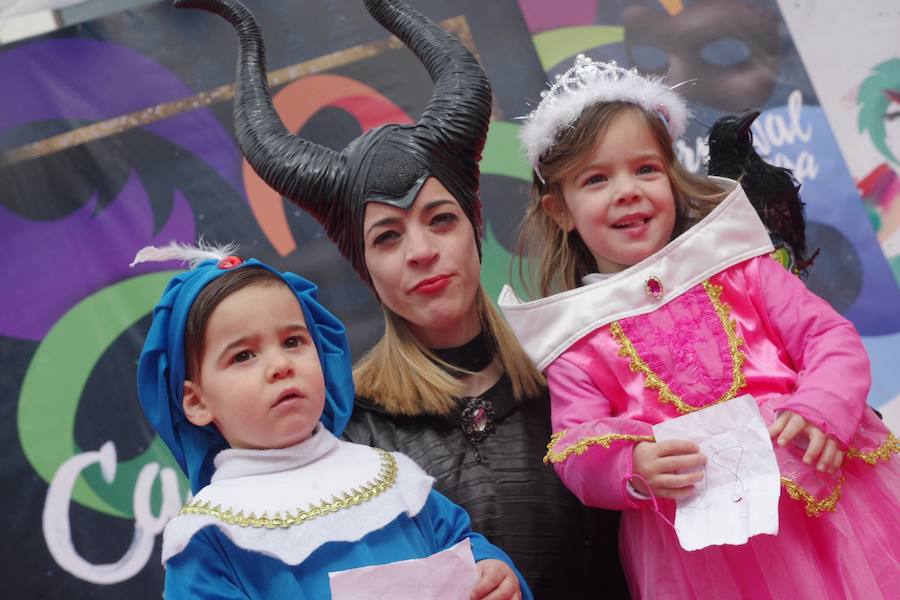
[473,356]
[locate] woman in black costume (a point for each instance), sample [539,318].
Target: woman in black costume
[448,384]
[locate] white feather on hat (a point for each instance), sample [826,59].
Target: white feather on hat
[191,255]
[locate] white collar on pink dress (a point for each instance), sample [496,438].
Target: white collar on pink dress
[730,234]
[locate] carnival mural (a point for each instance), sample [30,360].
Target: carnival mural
[859,89]
[118,133]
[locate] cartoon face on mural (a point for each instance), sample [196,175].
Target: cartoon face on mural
[729,49]
[892,122]
[879,109]
[879,120]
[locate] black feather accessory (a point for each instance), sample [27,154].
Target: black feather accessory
[773,191]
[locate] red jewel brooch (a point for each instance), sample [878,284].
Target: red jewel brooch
[654,287]
[230,262]
[477,419]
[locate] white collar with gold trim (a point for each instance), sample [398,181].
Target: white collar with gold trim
[287,502]
[730,234]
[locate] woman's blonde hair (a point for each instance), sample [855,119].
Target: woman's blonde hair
[551,259]
[403,376]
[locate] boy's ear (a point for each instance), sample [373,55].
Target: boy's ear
[194,407]
[556,207]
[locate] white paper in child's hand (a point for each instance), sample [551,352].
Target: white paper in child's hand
[738,496]
[449,574]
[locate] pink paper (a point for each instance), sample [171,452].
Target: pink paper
[447,575]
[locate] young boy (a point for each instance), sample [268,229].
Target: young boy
[247,379]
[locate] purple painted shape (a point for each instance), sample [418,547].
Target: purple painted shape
[541,15]
[92,80]
[48,267]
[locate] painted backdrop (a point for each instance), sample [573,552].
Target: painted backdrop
[118,133]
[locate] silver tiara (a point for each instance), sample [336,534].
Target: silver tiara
[589,82]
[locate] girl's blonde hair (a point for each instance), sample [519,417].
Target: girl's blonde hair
[403,376]
[557,259]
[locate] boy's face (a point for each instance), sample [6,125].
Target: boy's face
[260,381]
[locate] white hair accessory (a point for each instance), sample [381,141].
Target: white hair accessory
[587,83]
[186,253]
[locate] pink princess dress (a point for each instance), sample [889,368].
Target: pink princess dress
[708,318]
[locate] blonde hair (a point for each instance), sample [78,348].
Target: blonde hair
[557,259]
[403,376]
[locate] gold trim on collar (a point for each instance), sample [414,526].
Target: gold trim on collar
[387,477]
[654,381]
[581,446]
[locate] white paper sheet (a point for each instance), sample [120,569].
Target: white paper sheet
[447,575]
[738,497]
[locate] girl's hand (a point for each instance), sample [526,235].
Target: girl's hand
[821,447]
[659,464]
[496,581]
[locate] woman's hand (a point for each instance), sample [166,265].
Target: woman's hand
[496,581]
[660,463]
[821,447]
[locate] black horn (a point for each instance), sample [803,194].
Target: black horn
[461,103]
[306,173]
[389,164]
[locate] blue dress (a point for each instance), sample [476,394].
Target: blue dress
[213,567]
[204,559]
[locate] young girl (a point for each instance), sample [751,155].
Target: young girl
[659,298]
[247,379]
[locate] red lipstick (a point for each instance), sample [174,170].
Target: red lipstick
[432,285]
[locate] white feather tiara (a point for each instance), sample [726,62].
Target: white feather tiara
[186,253]
[587,83]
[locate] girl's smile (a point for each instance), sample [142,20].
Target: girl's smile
[633,226]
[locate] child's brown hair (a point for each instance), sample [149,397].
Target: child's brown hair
[207,301]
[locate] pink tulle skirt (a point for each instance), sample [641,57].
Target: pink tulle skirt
[851,553]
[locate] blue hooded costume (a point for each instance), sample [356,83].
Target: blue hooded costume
[274,523]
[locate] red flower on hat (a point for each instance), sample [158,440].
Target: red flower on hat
[230,262]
